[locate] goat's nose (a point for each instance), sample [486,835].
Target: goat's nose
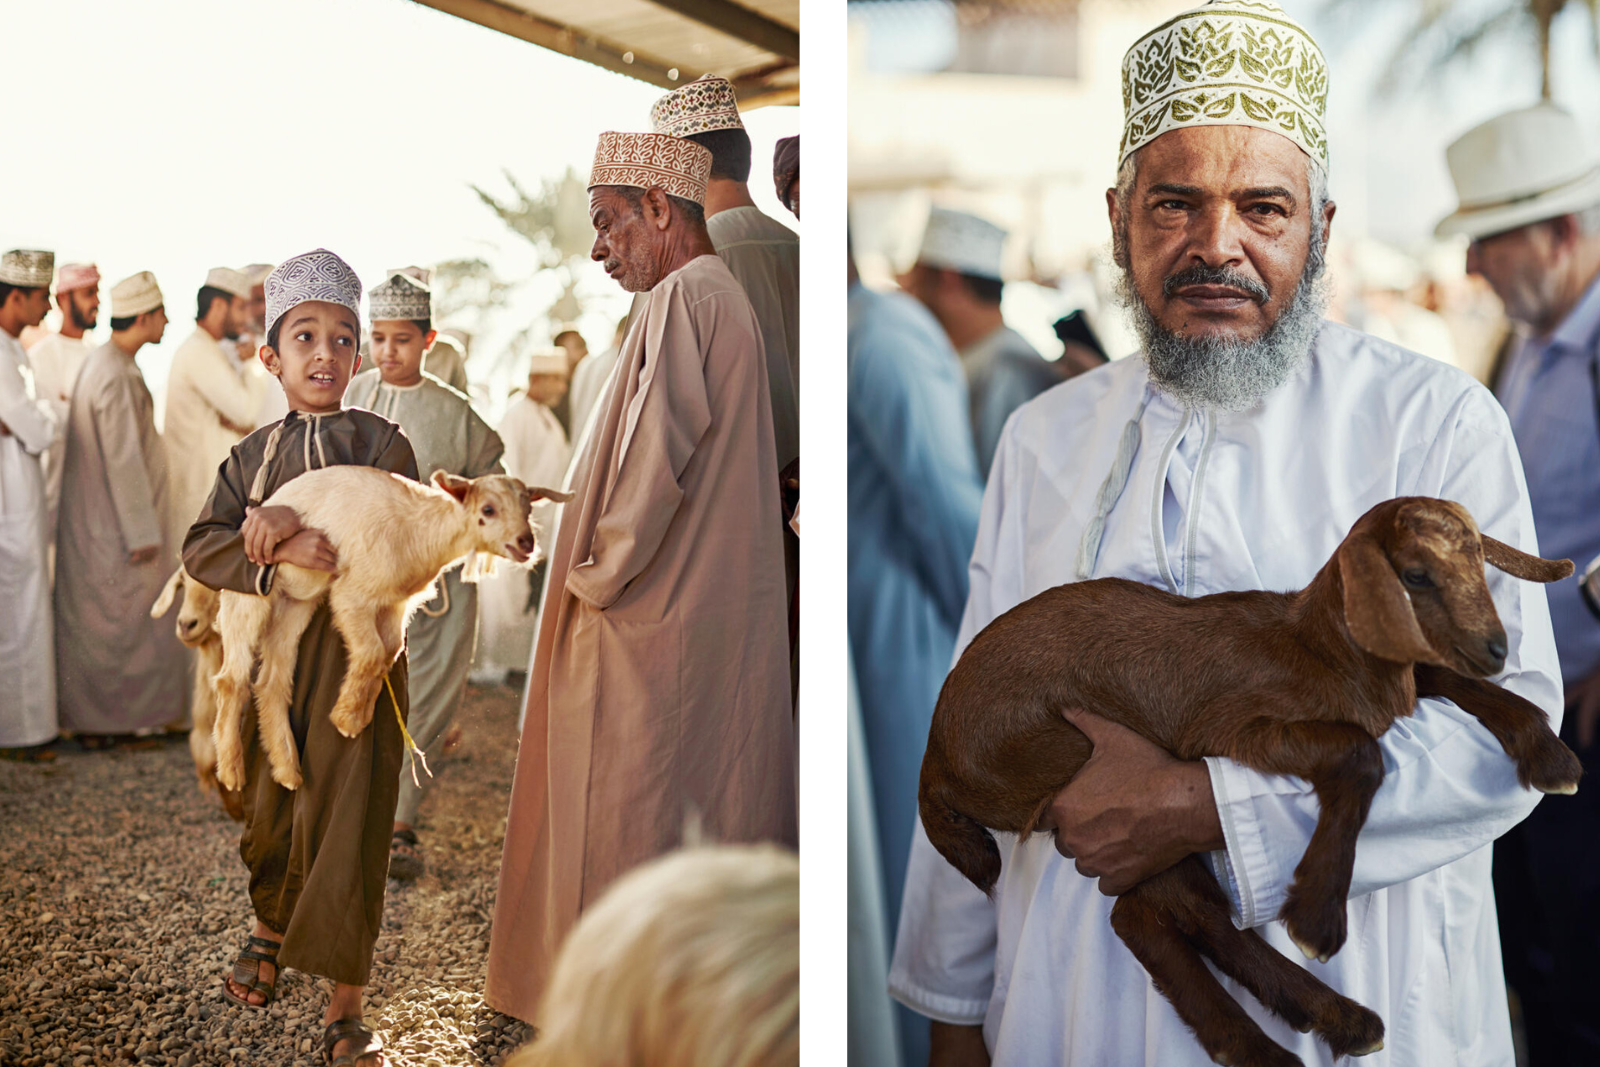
[525,542]
[188,624]
[1496,647]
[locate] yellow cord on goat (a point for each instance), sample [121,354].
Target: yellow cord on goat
[416,753]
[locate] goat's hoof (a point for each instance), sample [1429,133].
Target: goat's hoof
[1353,1030]
[1551,767]
[1318,930]
[1368,1049]
[289,779]
[348,723]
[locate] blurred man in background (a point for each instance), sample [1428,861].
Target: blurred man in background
[914,491]
[1529,191]
[957,277]
[212,399]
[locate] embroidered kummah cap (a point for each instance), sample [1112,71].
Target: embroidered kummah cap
[651,160]
[1518,168]
[31,269]
[401,296]
[135,295]
[955,240]
[706,104]
[549,361]
[72,276]
[315,275]
[230,281]
[1226,63]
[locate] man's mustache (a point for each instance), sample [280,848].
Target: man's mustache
[1200,274]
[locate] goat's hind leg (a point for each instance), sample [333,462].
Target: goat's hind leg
[240,619]
[1543,761]
[1157,938]
[280,651]
[1284,988]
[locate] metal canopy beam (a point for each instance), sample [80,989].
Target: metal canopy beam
[564,39]
[740,22]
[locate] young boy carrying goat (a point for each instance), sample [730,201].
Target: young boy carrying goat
[314,850]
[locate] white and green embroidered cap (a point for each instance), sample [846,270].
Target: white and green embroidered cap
[1226,63]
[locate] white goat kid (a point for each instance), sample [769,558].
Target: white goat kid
[197,628]
[393,537]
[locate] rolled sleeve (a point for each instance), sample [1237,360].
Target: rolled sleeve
[944,951]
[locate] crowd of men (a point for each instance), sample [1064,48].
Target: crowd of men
[661,680]
[1234,451]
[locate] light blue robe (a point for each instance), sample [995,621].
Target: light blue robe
[914,498]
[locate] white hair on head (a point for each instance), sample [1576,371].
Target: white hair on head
[1219,372]
[691,960]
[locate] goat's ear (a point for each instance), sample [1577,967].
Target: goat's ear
[1519,564]
[168,593]
[538,492]
[453,484]
[1376,607]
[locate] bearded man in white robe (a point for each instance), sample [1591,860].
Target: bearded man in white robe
[58,357]
[212,400]
[1234,452]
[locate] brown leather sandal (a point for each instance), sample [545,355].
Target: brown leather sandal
[367,1042]
[247,972]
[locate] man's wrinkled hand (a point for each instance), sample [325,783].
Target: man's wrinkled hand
[1134,809]
[1583,707]
[264,527]
[309,549]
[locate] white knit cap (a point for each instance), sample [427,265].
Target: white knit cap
[955,240]
[30,268]
[230,281]
[135,295]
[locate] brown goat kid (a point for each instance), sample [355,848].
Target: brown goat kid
[1289,683]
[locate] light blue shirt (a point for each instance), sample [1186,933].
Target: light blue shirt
[1551,390]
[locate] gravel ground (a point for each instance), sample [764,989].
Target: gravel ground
[123,903]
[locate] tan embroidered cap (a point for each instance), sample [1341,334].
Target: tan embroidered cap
[30,268]
[706,104]
[652,160]
[230,281]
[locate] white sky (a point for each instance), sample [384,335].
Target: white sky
[177,136]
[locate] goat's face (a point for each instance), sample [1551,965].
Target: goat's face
[197,615]
[1414,587]
[498,507]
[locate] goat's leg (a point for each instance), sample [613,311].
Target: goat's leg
[357,623]
[280,650]
[1157,940]
[202,747]
[1521,726]
[1345,767]
[240,619]
[1289,991]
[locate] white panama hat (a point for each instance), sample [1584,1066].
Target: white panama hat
[1519,168]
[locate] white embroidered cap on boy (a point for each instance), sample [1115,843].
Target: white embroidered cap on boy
[315,275]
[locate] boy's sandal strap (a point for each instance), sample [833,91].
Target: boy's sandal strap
[366,1041]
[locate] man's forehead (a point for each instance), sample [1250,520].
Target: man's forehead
[1224,157]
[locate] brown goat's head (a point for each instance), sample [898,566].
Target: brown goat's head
[1414,588]
[500,505]
[197,615]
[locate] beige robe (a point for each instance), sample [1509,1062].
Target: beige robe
[117,669]
[660,681]
[56,362]
[204,387]
[764,255]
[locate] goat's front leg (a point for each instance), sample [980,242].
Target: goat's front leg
[1345,766]
[357,623]
[280,650]
[1521,726]
[1158,936]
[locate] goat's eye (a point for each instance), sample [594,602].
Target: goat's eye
[1416,578]
[488,509]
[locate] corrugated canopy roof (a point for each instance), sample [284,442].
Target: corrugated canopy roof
[754,43]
